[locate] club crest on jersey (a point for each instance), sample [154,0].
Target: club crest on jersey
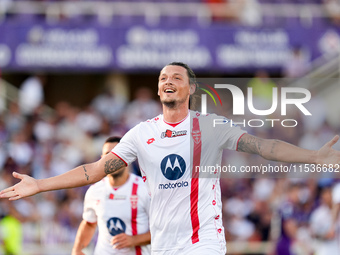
[196,135]
[134,201]
[170,134]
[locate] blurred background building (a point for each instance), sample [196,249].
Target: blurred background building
[74,72]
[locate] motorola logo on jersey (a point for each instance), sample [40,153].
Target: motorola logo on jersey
[173,167]
[115,226]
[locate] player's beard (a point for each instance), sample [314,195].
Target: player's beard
[172,103]
[117,174]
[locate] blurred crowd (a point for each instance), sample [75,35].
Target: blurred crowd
[47,143]
[243,12]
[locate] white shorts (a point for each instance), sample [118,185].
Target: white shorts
[200,248]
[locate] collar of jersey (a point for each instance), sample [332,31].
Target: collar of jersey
[115,188]
[176,123]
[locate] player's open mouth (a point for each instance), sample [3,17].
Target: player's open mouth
[169,91]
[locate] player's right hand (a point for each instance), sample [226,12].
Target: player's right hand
[28,186]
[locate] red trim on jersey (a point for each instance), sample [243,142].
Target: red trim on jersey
[175,124]
[134,209]
[91,223]
[120,158]
[195,184]
[239,140]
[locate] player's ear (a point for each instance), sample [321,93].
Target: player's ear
[192,88]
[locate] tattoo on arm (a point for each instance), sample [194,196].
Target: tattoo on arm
[250,144]
[275,142]
[86,175]
[112,165]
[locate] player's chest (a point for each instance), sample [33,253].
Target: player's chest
[117,204]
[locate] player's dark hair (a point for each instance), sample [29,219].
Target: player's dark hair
[113,139]
[190,72]
[192,80]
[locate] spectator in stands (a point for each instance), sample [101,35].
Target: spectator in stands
[335,230]
[262,87]
[11,231]
[292,216]
[333,9]
[19,149]
[222,10]
[321,226]
[297,65]
[109,106]
[31,94]
[143,107]
[13,118]
[244,12]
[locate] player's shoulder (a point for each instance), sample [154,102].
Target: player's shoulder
[153,121]
[150,123]
[136,179]
[207,116]
[211,120]
[97,187]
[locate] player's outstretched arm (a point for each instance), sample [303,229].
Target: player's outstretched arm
[85,233]
[79,176]
[125,241]
[281,151]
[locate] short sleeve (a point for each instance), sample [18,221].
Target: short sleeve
[89,213]
[225,132]
[126,149]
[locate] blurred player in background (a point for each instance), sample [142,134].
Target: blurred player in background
[119,205]
[185,210]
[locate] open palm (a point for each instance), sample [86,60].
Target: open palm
[28,186]
[327,155]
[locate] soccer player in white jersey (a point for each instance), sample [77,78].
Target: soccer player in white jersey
[185,211]
[119,205]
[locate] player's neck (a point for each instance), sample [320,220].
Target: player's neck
[120,180]
[173,115]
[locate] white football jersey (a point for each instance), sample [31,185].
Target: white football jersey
[185,207]
[121,210]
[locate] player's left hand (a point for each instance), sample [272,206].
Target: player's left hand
[327,155]
[122,241]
